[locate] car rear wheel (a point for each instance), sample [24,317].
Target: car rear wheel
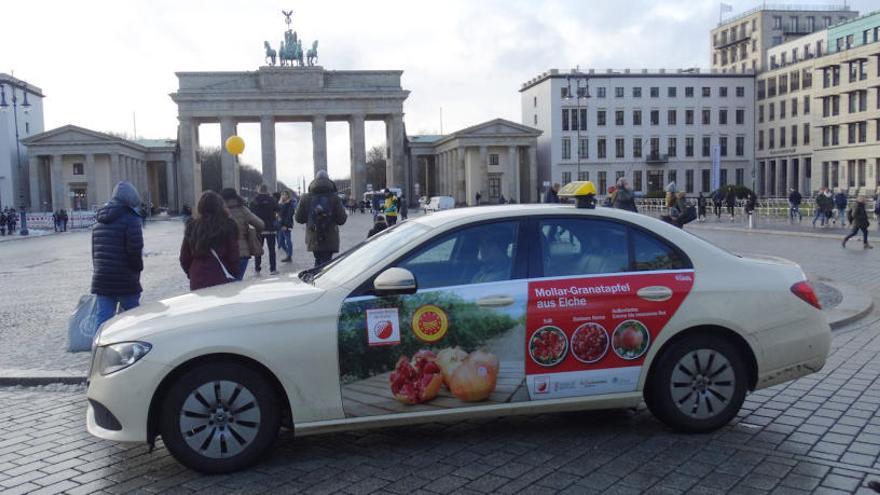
[698,384]
[220,417]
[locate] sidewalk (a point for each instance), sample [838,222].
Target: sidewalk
[776,226]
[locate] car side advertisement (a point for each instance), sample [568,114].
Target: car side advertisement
[502,342]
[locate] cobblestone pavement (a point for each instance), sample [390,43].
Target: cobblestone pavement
[819,434]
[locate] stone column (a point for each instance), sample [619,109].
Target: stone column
[533,174]
[767,173]
[34,183]
[319,142]
[357,143]
[144,172]
[460,175]
[780,179]
[483,174]
[267,147]
[791,176]
[190,168]
[395,169]
[59,189]
[114,170]
[91,181]
[228,162]
[510,175]
[447,186]
[171,186]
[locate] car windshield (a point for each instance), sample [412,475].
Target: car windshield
[363,256]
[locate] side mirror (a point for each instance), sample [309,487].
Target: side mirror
[395,281]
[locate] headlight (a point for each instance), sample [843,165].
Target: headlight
[115,357]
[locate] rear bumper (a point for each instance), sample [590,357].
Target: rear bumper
[793,350]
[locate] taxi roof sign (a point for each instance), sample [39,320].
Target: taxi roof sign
[577,188]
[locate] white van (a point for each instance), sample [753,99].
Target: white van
[438,203]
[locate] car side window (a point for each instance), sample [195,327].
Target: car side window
[479,254]
[651,253]
[575,246]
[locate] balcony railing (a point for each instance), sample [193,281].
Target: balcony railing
[656,158]
[725,42]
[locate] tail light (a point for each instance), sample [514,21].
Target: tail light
[805,291]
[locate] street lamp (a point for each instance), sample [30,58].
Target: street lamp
[13,85]
[581,92]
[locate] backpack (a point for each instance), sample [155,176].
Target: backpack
[319,216]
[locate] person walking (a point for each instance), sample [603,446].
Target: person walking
[209,252]
[840,201]
[701,207]
[56,220]
[402,207]
[323,212]
[820,210]
[248,226]
[117,253]
[378,226]
[858,219]
[717,202]
[390,207]
[285,218]
[730,202]
[794,205]
[266,207]
[552,196]
[624,198]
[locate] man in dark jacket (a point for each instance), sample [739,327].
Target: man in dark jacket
[794,203]
[288,207]
[266,207]
[323,212]
[117,253]
[859,220]
[840,202]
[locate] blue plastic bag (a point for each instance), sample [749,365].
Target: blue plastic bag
[83,324]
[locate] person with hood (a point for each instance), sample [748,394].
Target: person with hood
[209,252]
[117,253]
[266,207]
[245,220]
[794,204]
[624,198]
[285,218]
[379,226]
[858,219]
[323,212]
[840,201]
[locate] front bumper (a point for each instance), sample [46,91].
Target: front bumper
[126,395]
[793,350]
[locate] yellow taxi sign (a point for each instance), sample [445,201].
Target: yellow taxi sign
[577,188]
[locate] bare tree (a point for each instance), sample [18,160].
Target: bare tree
[376,167]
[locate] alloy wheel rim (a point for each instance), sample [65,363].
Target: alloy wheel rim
[703,383]
[219,419]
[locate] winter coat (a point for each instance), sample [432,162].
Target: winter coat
[243,217]
[860,217]
[286,214]
[266,207]
[117,245]
[327,241]
[730,199]
[795,198]
[824,202]
[624,199]
[204,270]
[840,201]
[551,196]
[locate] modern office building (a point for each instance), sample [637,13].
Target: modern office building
[741,42]
[650,127]
[21,115]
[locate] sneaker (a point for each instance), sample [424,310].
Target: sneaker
[286,260]
[273,272]
[868,246]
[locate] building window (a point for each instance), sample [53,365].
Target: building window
[689,92]
[707,145]
[723,180]
[78,169]
[637,180]
[722,141]
[583,148]
[707,116]
[27,128]
[600,117]
[637,147]
[637,92]
[689,181]
[740,91]
[565,121]
[689,117]
[574,119]
[782,109]
[760,113]
[494,186]
[493,158]
[600,92]
[670,117]
[707,92]
[705,180]
[583,112]
[584,175]
[671,176]
[740,176]
[794,110]
[603,181]
[807,105]
[618,117]
[771,139]
[671,91]
[807,133]
[740,116]
[722,116]
[722,91]
[618,92]
[740,145]
[563,92]
[689,146]
[637,117]
[655,92]
[760,140]
[535,101]
[566,148]
[782,137]
[655,117]
[601,152]
[672,147]
[566,177]
[863,132]
[794,135]
[771,111]
[619,148]
[655,146]
[777,22]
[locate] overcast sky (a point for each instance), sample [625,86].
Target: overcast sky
[100,62]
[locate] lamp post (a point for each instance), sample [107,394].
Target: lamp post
[13,85]
[581,92]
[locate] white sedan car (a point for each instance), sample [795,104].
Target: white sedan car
[470,312]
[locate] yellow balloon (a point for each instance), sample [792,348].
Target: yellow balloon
[234,145]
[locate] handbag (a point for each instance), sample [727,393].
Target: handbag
[83,324]
[222,266]
[255,244]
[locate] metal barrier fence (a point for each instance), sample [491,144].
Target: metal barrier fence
[75,220]
[765,207]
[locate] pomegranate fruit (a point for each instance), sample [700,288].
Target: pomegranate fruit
[449,359]
[484,356]
[474,379]
[632,338]
[417,381]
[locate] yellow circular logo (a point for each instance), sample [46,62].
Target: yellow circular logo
[430,323]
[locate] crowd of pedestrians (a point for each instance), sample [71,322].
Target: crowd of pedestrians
[8,221]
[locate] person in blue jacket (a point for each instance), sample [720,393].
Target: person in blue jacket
[117,253]
[840,202]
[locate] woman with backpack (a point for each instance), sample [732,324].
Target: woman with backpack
[209,253]
[249,228]
[858,219]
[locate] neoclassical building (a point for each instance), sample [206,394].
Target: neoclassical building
[76,169]
[495,158]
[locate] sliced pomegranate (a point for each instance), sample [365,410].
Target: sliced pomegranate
[417,381]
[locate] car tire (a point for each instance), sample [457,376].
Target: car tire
[220,417]
[698,384]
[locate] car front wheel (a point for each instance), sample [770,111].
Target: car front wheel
[698,385]
[220,417]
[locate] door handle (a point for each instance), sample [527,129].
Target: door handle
[496,301]
[655,293]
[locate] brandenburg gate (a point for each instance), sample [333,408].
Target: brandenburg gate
[289,94]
